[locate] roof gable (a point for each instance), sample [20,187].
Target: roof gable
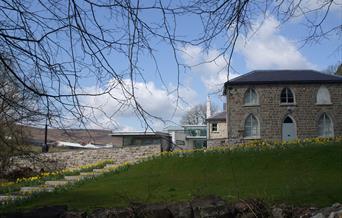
[283,76]
[218,116]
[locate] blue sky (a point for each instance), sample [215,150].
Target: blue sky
[273,46]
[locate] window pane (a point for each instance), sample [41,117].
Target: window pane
[289,93]
[250,97]
[288,120]
[254,130]
[249,121]
[248,131]
[286,96]
[253,97]
[214,127]
[325,127]
[254,126]
[283,96]
[251,126]
[323,96]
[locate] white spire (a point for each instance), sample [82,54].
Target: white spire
[208,107]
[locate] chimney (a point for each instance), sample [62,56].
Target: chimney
[208,107]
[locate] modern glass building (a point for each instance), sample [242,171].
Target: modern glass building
[188,136]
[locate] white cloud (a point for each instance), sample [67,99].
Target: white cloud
[154,100]
[210,66]
[311,7]
[127,129]
[322,5]
[265,48]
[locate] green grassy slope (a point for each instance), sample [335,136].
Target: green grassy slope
[309,175]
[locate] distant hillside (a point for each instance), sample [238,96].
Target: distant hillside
[35,135]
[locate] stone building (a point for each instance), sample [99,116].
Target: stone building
[127,139]
[188,136]
[217,129]
[281,105]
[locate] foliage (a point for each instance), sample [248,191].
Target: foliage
[90,167]
[17,106]
[334,69]
[303,173]
[197,115]
[339,70]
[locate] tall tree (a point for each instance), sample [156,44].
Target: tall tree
[334,69]
[17,106]
[197,115]
[339,70]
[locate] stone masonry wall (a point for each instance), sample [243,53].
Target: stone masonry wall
[215,142]
[218,137]
[221,132]
[71,159]
[271,113]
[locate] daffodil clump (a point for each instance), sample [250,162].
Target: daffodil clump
[256,144]
[6,184]
[120,167]
[44,176]
[39,177]
[260,144]
[6,187]
[99,164]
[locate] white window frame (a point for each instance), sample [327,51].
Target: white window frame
[323,91]
[254,134]
[248,94]
[287,90]
[325,117]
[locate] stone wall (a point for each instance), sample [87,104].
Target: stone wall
[221,132]
[271,113]
[70,159]
[211,206]
[215,142]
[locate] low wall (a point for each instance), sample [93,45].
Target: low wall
[216,142]
[198,207]
[71,159]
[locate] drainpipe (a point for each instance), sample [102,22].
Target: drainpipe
[45,147]
[227,113]
[208,114]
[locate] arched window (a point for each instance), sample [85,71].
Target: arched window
[286,96]
[325,126]
[288,120]
[251,97]
[251,126]
[323,96]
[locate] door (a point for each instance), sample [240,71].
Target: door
[289,131]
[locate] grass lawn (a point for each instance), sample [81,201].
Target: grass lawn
[310,175]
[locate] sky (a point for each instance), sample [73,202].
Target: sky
[268,45]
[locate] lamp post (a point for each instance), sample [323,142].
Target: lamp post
[45,147]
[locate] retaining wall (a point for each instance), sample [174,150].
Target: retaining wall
[71,159]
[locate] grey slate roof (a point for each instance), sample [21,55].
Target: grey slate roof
[139,134]
[218,116]
[282,77]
